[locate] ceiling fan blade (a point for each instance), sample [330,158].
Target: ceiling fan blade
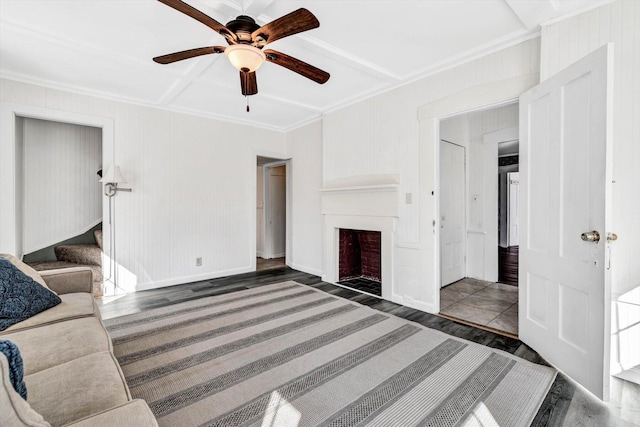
[186,54]
[295,22]
[248,83]
[302,68]
[191,11]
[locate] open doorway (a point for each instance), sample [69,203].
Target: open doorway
[478,218]
[508,218]
[58,168]
[12,208]
[271,213]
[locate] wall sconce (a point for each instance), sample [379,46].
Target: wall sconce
[112,178]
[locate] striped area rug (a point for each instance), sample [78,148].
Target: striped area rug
[290,355]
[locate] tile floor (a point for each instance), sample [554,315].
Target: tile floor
[494,305]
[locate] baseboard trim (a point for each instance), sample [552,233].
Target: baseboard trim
[305,269]
[194,278]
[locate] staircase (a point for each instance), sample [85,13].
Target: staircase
[78,256]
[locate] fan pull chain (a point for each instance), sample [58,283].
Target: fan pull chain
[245,84]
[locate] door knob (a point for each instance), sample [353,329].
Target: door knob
[590,236]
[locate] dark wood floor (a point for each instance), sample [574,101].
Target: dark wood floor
[565,404]
[508,265]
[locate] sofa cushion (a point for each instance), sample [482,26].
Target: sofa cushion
[77,389]
[73,306]
[16,367]
[20,296]
[16,412]
[26,269]
[61,342]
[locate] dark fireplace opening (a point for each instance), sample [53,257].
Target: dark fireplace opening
[359,260]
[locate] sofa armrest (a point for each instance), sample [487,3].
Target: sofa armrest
[68,280]
[134,413]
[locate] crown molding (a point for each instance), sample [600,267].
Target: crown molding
[132,101]
[456,61]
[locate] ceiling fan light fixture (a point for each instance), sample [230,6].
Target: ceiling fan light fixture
[245,57]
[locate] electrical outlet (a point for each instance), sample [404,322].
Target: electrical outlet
[407,300]
[199,262]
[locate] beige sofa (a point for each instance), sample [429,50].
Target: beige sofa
[72,376]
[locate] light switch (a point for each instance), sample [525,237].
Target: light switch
[408,197]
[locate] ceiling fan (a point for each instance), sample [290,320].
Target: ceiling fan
[246,39]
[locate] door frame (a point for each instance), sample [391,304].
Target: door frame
[498,137]
[490,95]
[11,207]
[281,159]
[267,250]
[509,204]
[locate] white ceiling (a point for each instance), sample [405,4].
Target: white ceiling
[104,48]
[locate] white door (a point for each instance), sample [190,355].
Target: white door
[452,212]
[564,192]
[513,179]
[277,212]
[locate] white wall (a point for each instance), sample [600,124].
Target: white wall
[563,43]
[62,193]
[382,135]
[455,129]
[194,187]
[304,146]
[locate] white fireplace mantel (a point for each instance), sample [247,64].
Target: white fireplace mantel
[368,195]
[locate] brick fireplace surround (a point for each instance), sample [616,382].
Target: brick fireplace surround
[359,255]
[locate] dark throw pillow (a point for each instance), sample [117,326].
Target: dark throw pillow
[16,368]
[20,296]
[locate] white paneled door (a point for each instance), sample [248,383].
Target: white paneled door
[565,185]
[452,213]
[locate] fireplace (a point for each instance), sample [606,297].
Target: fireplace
[359,260]
[360,212]
[359,255]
